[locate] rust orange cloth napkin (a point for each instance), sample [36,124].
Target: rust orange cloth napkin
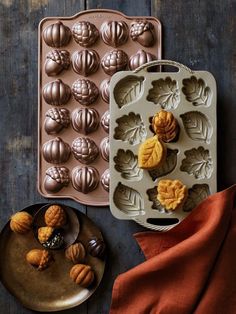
[189,269]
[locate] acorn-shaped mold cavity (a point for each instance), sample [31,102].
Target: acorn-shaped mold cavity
[56,93]
[105,148]
[85,91]
[114,61]
[56,120]
[85,120]
[115,33]
[105,121]
[85,33]
[56,151]
[105,90]
[84,150]
[105,180]
[85,62]
[143,32]
[85,179]
[57,61]
[56,178]
[140,58]
[57,35]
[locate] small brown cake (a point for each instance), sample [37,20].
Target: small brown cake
[21,222]
[165,126]
[75,253]
[82,275]
[96,247]
[40,259]
[50,238]
[55,216]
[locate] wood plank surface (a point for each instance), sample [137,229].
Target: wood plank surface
[200,34]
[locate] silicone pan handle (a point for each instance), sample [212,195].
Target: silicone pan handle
[148,65]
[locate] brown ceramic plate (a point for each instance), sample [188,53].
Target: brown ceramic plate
[51,289]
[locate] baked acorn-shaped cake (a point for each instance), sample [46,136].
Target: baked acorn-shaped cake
[105,90]
[21,222]
[84,150]
[165,126]
[56,151]
[56,62]
[57,35]
[105,148]
[56,178]
[85,62]
[140,58]
[50,238]
[56,93]
[85,91]
[85,33]
[105,121]
[114,61]
[85,179]
[82,275]
[96,247]
[40,259]
[143,32]
[85,120]
[105,180]
[75,253]
[115,33]
[55,216]
[56,120]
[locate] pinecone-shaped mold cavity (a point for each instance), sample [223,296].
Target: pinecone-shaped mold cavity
[57,61]
[56,120]
[85,179]
[105,180]
[139,58]
[85,150]
[85,91]
[56,178]
[56,93]
[105,90]
[115,33]
[105,121]
[114,61]
[85,62]
[85,120]
[143,32]
[56,151]
[57,35]
[85,33]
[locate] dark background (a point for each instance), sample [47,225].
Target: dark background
[199,34]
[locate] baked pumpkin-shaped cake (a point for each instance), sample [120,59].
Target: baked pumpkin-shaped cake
[21,222]
[40,259]
[82,275]
[55,216]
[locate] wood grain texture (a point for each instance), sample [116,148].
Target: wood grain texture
[200,34]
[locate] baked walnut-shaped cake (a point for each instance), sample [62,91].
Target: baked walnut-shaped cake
[40,259]
[82,275]
[165,126]
[21,222]
[55,216]
[96,247]
[56,178]
[75,253]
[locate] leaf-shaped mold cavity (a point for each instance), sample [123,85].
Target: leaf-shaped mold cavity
[196,194]
[198,162]
[128,200]
[127,164]
[152,196]
[128,90]
[168,166]
[165,93]
[197,126]
[130,129]
[196,91]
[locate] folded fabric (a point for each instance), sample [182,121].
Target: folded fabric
[189,269]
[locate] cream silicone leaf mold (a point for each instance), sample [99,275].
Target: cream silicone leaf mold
[196,91]
[128,90]
[130,129]
[127,164]
[128,200]
[198,162]
[196,194]
[165,93]
[168,166]
[152,196]
[197,126]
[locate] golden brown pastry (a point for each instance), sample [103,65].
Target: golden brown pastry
[82,275]
[44,234]
[152,153]
[165,126]
[21,222]
[75,253]
[40,259]
[55,216]
[171,193]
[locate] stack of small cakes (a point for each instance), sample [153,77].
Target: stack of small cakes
[152,154]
